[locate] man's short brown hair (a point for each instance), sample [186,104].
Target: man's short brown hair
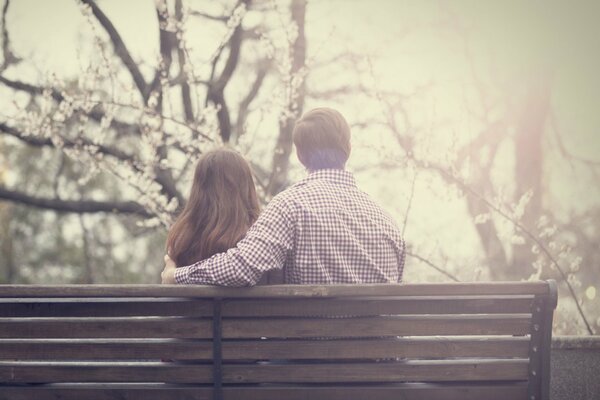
[322,139]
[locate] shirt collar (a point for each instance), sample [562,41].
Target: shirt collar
[337,176]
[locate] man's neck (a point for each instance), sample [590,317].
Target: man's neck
[310,171]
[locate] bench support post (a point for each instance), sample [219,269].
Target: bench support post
[550,303]
[542,310]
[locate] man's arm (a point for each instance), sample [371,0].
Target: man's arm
[401,258]
[265,247]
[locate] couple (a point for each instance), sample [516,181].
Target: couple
[322,230]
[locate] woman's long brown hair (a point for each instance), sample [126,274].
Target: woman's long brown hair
[221,208]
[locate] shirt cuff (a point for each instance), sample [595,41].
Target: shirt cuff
[182,275]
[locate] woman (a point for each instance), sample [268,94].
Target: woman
[221,208]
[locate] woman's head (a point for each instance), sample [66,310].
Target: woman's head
[221,207]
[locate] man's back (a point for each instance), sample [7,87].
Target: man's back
[340,234]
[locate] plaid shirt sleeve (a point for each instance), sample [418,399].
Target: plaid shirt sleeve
[265,247]
[401,257]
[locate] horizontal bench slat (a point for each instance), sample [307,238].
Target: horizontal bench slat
[381,306]
[426,289]
[98,349]
[104,307]
[158,327]
[473,391]
[110,307]
[150,327]
[424,325]
[48,372]
[407,391]
[376,348]
[415,371]
[105,349]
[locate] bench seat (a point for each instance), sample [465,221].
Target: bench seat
[412,341]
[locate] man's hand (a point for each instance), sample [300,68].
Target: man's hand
[168,274]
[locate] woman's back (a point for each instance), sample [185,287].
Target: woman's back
[221,207]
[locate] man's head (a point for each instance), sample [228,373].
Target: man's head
[322,139]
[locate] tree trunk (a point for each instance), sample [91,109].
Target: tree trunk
[529,133]
[283,150]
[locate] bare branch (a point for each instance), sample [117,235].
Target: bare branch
[542,247]
[165,181]
[31,89]
[563,149]
[96,114]
[432,265]
[9,56]
[216,89]
[120,49]
[216,86]
[250,96]
[235,44]
[527,232]
[74,206]
[410,200]
[167,42]
[451,178]
[37,141]
[221,18]
[186,98]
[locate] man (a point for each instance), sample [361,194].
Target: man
[322,230]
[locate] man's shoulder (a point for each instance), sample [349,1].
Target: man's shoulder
[291,192]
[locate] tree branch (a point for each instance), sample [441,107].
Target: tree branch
[120,49]
[563,149]
[96,114]
[216,89]
[31,89]
[165,181]
[167,42]
[37,141]
[74,206]
[249,98]
[9,56]
[469,191]
[221,18]
[186,98]
[432,265]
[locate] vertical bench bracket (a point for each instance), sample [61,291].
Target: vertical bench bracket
[542,310]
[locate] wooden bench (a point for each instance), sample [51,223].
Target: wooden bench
[341,342]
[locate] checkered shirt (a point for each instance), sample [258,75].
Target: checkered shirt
[322,230]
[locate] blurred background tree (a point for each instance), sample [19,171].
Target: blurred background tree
[473,123]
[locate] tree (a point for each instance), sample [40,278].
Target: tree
[147,125]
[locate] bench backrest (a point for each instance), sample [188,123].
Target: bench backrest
[425,341]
